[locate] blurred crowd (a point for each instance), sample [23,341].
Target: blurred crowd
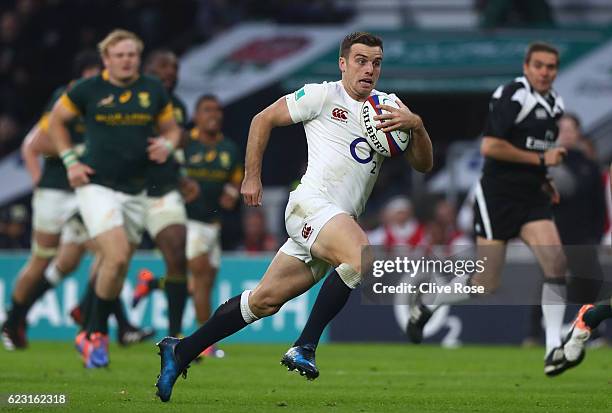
[38,39]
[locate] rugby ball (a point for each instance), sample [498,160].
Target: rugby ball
[385,143]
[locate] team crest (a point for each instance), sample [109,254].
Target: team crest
[306,231]
[197,158]
[224,157]
[125,96]
[144,99]
[541,113]
[107,101]
[210,156]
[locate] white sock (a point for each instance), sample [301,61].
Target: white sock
[245,310]
[553,310]
[52,274]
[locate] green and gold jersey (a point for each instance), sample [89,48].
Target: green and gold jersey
[53,172]
[118,123]
[212,166]
[163,178]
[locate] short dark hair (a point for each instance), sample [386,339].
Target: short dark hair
[359,37]
[541,47]
[85,60]
[154,55]
[204,98]
[574,118]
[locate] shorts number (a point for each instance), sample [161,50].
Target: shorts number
[373,171]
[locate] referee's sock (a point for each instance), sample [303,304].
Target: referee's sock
[594,316]
[554,293]
[333,295]
[231,317]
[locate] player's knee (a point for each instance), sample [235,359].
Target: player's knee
[117,263]
[173,250]
[66,265]
[263,305]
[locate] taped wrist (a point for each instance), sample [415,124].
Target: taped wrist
[168,144]
[69,157]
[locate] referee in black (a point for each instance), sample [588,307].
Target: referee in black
[514,196]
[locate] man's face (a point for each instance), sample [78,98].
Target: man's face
[209,116]
[122,60]
[541,70]
[569,135]
[165,67]
[361,69]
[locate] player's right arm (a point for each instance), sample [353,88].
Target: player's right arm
[303,105]
[502,150]
[63,112]
[275,115]
[504,108]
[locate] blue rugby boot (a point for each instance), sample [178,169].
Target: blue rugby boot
[302,359]
[170,368]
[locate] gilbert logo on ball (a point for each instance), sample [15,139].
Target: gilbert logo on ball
[385,143]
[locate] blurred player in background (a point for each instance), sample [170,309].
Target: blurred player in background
[514,195]
[257,237]
[214,163]
[129,124]
[321,212]
[54,222]
[166,216]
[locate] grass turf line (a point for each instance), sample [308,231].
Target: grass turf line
[354,378]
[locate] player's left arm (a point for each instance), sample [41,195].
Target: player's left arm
[420,151]
[169,138]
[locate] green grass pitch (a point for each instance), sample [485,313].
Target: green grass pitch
[354,378]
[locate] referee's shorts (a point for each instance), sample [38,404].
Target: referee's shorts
[501,211]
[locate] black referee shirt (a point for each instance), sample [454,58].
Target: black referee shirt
[526,119]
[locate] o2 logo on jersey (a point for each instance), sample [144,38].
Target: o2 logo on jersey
[361,151]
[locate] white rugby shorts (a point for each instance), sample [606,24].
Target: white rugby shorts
[204,238]
[103,209]
[164,211]
[51,208]
[306,214]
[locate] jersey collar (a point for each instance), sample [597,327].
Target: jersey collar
[106,77]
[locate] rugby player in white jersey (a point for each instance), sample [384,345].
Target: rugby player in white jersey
[321,212]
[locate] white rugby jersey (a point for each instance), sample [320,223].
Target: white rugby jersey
[341,165]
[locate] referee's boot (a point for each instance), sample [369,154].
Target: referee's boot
[302,359]
[170,370]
